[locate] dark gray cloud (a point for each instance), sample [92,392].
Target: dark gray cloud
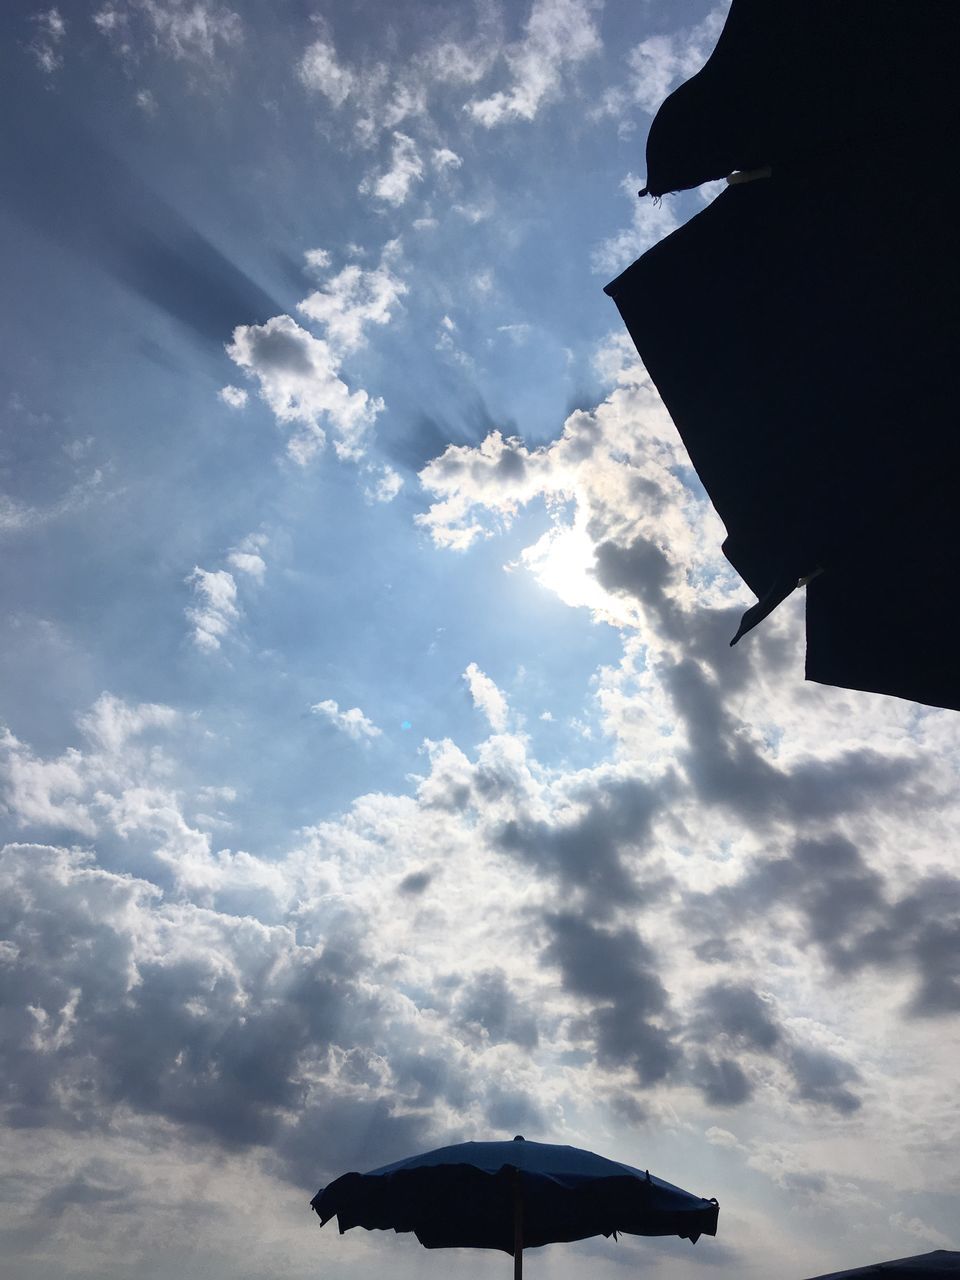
[587,853]
[919,931]
[823,1077]
[625,1036]
[643,570]
[509,1111]
[615,970]
[604,964]
[628,1108]
[416,882]
[849,913]
[735,1010]
[217,1024]
[423,1077]
[487,1004]
[336,1135]
[738,1027]
[722,1080]
[85,1190]
[727,767]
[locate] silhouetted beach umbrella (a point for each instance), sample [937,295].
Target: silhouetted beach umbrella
[803,329]
[925,1266]
[513,1196]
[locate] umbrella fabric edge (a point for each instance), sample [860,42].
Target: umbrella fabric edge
[462,1206]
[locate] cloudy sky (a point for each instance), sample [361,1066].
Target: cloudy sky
[375,770]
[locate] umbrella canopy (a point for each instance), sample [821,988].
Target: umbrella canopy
[511,1196]
[802,330]
[925,1266]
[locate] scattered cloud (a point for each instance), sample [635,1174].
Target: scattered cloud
[353,299]
[559,35]
[443,158]
[659,63]
[215,611]
[921,1230]
[317,259]
[386,486]
[393,185]
[352,722]
[299,373]
[235,397]
[651,221]
[18,517]
[246,558]
[196,31]
[321,72]
[487,697]
[299,380]
[47,44]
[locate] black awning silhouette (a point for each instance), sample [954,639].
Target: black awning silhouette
[804,329]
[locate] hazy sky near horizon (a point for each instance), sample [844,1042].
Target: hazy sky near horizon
[375,770]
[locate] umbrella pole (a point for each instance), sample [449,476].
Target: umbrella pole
[517,1227]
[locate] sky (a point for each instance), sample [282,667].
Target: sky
[375,772]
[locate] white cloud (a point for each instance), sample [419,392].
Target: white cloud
[651,221]
[587,477]
[249,562]
[308,443]
[559,35]
[661,62]
[357,981]
[352,722]
[51,23]
[320,71]
[235,397]
[454,62]
[447,343]
[298,377]
[216,611]
[62,792]
[386,487]
[19,517]
[472,213]
[317,259]
[406,167]
[487,697]
[299,373]
[111,724]
[444,158]
[744,906]
[354,299]
[51,30]
[108,19]
[188,30]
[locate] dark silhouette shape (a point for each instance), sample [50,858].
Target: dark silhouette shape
[803,329]
[925,1266]
[511,1196]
